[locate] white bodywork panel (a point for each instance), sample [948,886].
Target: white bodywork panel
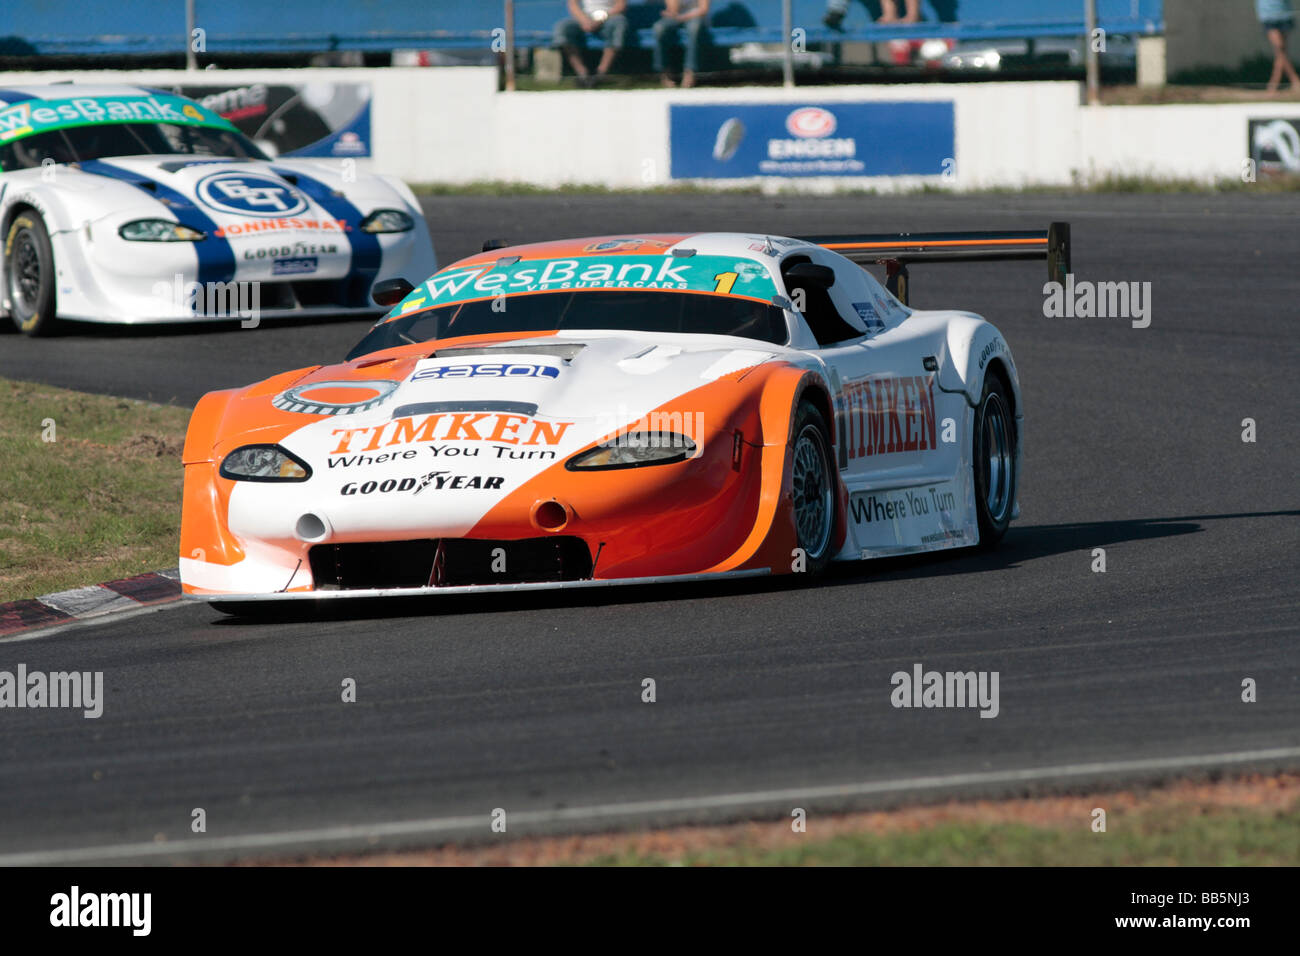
[269,222]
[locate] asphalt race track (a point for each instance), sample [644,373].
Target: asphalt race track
[768,696]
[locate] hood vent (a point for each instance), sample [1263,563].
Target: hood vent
[178,165]
[562,350]
[650,360]
[438,408]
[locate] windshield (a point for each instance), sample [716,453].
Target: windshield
[676,312]
[99,141]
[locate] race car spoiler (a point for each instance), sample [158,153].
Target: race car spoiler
[896,250]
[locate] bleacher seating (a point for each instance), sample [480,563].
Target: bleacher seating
[73,27]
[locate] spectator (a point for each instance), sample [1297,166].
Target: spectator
[603,18]
[886,11]
[692,16]
[889,12]
[1277,19]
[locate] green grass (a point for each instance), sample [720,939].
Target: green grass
[1187,837]
[101,501]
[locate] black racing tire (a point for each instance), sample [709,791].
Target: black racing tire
[29,274]
[993,460]
[814,488]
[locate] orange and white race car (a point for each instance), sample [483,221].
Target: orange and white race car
[623,409]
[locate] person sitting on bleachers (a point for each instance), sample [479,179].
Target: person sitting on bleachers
[691,16]
[886,11]
[603,18]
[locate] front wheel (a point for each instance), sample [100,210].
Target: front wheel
[813,479]
[994,457]
[29,271]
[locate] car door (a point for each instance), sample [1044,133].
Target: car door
[900,437]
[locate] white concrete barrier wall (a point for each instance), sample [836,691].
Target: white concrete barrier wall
[1001,131]
[1201,142]
[453,126]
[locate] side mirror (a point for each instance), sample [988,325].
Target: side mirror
[810,273]
[391,291]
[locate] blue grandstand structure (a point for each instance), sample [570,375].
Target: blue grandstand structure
[149,27]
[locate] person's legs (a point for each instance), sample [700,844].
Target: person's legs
[911,12]
[695,33]
[665,40]
[1277,37]
[1274,37]
[570,38]
[1277,41]
[614,32]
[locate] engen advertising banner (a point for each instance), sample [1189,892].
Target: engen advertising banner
[738,141]
[299,119]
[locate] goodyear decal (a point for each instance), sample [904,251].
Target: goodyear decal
[367,255]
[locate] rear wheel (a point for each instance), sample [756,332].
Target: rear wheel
[814,488]
[29,272]
[994,458]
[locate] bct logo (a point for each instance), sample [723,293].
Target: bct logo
[248,194]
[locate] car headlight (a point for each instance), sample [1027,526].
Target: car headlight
[634,450]
[387,220]
[264,463]
[159,230]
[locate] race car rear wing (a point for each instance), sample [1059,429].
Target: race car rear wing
[895,251]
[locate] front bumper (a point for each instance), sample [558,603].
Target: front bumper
[637,524]
[113,280]
[476,588]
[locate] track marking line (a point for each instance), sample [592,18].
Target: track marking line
[438,825]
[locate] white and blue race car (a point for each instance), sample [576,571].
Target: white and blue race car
[132,205]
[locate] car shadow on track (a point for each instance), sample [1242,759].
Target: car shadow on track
[1028,542]
[1022,543]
